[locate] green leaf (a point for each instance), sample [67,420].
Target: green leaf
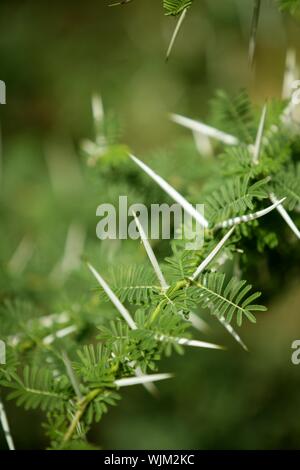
[175,7]
[227,301]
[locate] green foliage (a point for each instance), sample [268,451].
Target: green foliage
[174,7]
[135,284]
[102,348]
[39,389]
[289,5]
[234,198]
[234,115]
[228,301]
[287,184]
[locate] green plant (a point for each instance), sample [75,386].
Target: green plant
[179,8]
[147,311]
[289,5]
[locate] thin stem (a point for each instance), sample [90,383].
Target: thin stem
[163,302]
[82,405]
[72,376]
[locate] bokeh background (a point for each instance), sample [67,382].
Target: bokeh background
[53,57]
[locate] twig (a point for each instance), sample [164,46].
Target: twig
[72,376]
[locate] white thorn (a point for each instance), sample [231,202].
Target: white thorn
[253,33]
[203,144]
[175,33]
[48,320]
[248,217]
[142,379]
[150,254]
[98,117]
[284,214]
[258,141]
[232,332]
[73,250]
[149,386]
[189,342]
[172,192]
[97,108]
[290,74]
[59,334]
[209,131]
[198,323]
[114,299]
[212,254]
[21,257]
[5,426]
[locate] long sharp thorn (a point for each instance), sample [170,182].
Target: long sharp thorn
[97,109]
[127,317]
[150,254]
[212,254]
[198,344]
[98,117]
[5,427]
[198,323]
[290,73]
[232,332]
[259,136]
[248,217]
[175,33]
[70,260]
[149,386]
[253,32]
[189,342]
[284,214]
[202,128]
[172,192]
[142,379]
[20,259]
[203,144]
[114,299]
[59,334]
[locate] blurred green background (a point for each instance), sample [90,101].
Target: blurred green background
[53,57]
